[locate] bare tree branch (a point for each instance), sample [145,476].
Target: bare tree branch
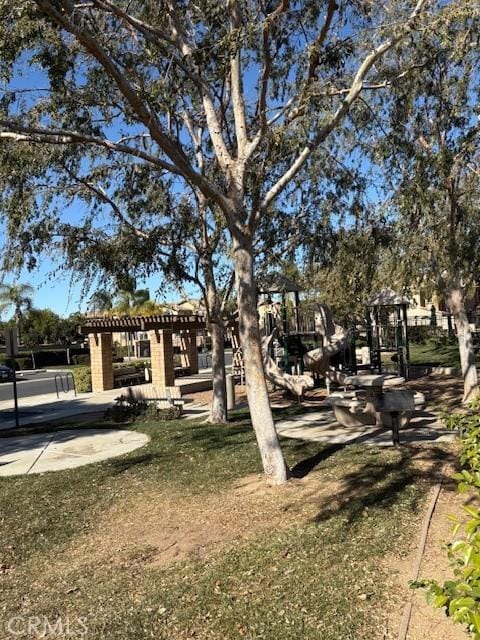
[25,133]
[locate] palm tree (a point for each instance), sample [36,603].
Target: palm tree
[18,296]
[129,300]
[128,303]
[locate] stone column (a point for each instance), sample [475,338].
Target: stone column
[161,351]
[189,351]
[101,357]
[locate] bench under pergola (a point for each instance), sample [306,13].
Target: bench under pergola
[160,331]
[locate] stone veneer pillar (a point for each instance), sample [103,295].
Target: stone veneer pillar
[101,357]
[189,351]
[161,351]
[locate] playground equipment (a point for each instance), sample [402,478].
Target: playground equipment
[387,330]
[298,349]
[334,340]
[296,384]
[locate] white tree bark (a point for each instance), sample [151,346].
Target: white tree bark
[257,393]
[456,303]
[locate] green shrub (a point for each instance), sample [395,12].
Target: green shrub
[460,597]
[121,350]
[444,340]
[424,333]
[24,363]
[83,379]
[21,362]
[141,365]
[127,409]
[81,359]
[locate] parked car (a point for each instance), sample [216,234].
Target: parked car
[5,373]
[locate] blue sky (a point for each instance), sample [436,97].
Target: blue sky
[54,288]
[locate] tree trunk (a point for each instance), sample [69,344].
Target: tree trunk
[18,325]
[456,303]
[258,401]
[218,409]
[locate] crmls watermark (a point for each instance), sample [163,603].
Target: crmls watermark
[43,627]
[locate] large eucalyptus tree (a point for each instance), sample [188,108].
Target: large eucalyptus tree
[235,99]
[432,157]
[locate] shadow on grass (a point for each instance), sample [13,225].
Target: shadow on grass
[306,466]
[378,483]
[122,465]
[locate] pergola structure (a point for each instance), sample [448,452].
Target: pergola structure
[160,331]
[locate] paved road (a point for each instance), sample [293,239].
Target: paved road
[35,384]
[30,384]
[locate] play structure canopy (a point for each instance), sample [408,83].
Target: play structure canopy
[387,298]
[278,283]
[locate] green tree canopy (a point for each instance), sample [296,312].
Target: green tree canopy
[235,101]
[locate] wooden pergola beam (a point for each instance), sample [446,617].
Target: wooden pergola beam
[142,323]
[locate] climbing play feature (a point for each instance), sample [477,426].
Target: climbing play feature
[296,384]
[387,330]
[317,362]
[334,338]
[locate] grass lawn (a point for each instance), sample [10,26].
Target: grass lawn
[430,353]
[181,539]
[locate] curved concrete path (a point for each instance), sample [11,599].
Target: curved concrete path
[321,426]
[66,449]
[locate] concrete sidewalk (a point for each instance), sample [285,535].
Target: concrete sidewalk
[47,408]
[66,449]
[321,426]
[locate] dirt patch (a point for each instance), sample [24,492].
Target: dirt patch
[163,528]
[427,623]
[278,397]
[160,528]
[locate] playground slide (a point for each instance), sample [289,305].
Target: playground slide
[295,384]
[317,361]
[336,339]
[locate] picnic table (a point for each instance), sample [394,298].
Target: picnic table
[374,402]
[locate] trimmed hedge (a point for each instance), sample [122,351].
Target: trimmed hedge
[47,357]
[21,362]
[83,379]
